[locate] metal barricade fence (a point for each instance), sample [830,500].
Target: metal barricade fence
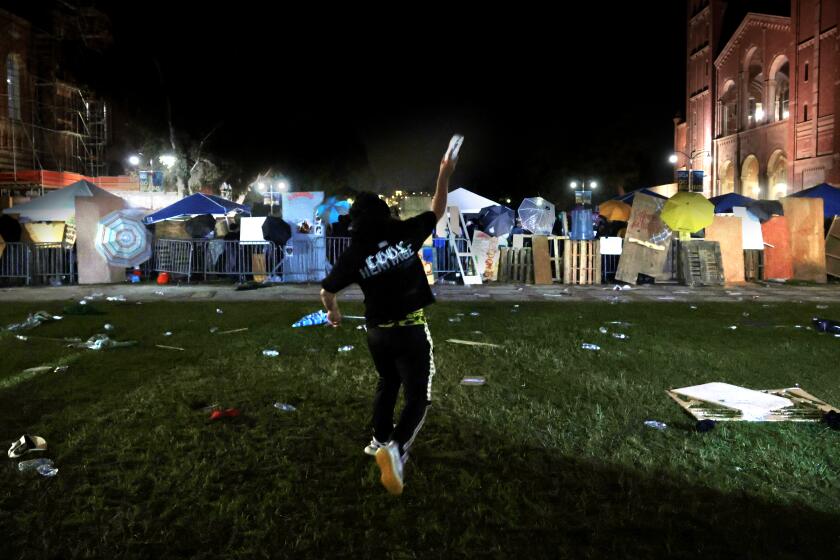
[14,262]
[174,256]
[53,262]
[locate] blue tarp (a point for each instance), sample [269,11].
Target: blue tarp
[829,194]
[628,198]
[726,202]
[197,203]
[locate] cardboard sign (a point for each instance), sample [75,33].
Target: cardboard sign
[728,231]
[250,230]
[645,228]
[70,232]
[778,262]
[486,251]
[807,246]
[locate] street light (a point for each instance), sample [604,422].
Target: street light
[592,185]
[168,160]
[134,160]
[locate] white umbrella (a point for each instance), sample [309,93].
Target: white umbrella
[537,215]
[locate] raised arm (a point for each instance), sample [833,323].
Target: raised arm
[447,167]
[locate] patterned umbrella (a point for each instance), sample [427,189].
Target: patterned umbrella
[537,215]
[122,239]
[332,209]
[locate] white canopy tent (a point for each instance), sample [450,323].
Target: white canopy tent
[58,205]
[468,202]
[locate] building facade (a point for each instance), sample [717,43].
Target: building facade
[48,122]
[762,87]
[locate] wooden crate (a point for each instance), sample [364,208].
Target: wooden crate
[516,265]
[581,262]
[753,264]
[700,263]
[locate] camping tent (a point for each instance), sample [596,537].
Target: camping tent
[724,203]
[196,204]
[829,194]
[628,198]
[58,205]
[468,202]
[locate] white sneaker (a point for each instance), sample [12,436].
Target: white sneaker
[391,466]
[374,446]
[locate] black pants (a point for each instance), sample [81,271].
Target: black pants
[403,357]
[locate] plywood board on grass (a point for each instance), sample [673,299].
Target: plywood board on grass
[807,245]
[542,264]
[647,241]
[728,231]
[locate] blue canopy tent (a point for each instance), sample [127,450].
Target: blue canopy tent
[829,194]
[628,198]
[196,204]
[724,203]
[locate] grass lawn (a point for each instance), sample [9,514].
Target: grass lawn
[549,459]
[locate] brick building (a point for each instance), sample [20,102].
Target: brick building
[48,122]
[761,91]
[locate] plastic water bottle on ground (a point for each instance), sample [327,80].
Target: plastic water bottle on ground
[34,464]
[270,353]
[603,330]
[345,348]
[656,424]
[620,336]
[587,346]
[285,407]
[47,471]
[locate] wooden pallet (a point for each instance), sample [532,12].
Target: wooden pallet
[516,265]
[581,262]
[753,264]
[700,263]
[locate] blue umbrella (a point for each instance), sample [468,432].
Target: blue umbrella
[724,203]
[829,194]
[332,209]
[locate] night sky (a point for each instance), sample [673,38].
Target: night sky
[369,97]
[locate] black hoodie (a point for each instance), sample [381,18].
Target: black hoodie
[382,259]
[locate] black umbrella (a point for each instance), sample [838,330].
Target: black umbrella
[765,209]
[496,220]
[201,226]
[276,230]
[9,229]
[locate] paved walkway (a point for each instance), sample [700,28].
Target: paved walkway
[771,292]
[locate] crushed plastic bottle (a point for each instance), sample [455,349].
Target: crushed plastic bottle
[22,337]
[822,307]
[159,293]
[454,319]
[474,313]
[108,327]
[473,381]
[656,424]
[213,329]
[285,407]
[603,330]
[345,348]
[61,369]
[362,328]
[34,464]
[270,353]
[101,341]
[588,346]
[115,298]
[732,327]
[167,333]
[620,336]
[47,471]
[219,311]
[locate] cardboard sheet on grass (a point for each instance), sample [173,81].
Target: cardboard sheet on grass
[647,241]
[486,251]
[93,268]
[723,402]
[778,262]
[807,247]
[728,231]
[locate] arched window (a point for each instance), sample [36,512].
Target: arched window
[749,177]
[13,86]
[780,84]
[729,106]
[777,176]
[755,89]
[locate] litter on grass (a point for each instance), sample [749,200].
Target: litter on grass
[33,320]
[270,353]
[232,331]
[285,407]
[101,342]
[473,381]
[473,343]
[656,424]
[345,348]
[620,336]
[115,298]
[169,347]
[588,346]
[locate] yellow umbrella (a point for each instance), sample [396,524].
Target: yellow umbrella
[687,212]
[615,210]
